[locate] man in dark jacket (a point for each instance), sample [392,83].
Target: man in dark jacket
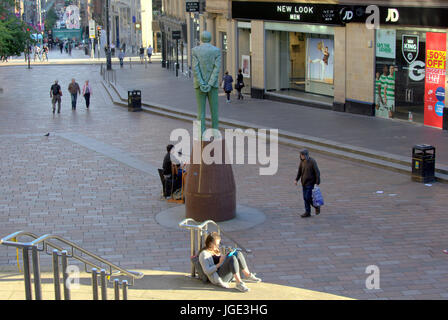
[174,181]
[310,175]
[167,164]
[74,90]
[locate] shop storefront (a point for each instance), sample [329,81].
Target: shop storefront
[298,46]
[403,73]
[244,53]
[173,41]
[299,58]
[388,62]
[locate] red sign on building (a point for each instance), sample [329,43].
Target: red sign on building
[435,79]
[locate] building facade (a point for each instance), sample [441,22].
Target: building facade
[175,38]
[124,16]
[375,58]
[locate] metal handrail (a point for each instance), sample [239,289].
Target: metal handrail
[44,240]
[184,224]
[204,225]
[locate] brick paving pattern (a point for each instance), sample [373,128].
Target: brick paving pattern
[54,185]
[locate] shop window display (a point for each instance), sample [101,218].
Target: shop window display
[409,75]
[299,63]
[400,74]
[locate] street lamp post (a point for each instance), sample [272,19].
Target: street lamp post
[108,57]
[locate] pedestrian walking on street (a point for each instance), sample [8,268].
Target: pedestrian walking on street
[121,57]
[74,89]
[310,176]
[142,53]
[149,53]
[87,91]
[61,46]
[55,95]
[37,53]
[45,53]
[239,85]
[227,85]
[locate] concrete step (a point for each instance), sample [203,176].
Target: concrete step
[162,285]
[371,157]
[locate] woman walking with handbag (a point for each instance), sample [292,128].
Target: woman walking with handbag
[87,91]
[239,85]
[227,85]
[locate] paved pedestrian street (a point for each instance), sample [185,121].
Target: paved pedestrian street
[93,180]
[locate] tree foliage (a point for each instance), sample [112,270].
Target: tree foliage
[13,31]
[50,19]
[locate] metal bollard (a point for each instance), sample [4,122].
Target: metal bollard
[130,63]
[56,278]
[64,262]
[36,274]
[124,283]
[103,285]
[27,273]
[193,272]
[95,283]
[198,246]
[117,289]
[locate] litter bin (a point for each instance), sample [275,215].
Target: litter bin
[134,100]
[423,163]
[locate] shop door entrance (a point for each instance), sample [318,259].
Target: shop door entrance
[410,80]
[223,36]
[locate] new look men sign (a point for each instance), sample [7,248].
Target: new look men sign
[295,12]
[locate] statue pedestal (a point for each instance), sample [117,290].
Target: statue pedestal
[210,192]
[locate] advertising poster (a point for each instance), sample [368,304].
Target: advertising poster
[71,17]
[385,43]
[435,79]
[410,75]
[320,60]
[245,62]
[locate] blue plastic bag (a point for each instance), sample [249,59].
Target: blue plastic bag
[318,200]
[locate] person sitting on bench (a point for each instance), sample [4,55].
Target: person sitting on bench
[221,269]
[170,171]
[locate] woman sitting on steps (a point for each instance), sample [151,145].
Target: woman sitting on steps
[220,269]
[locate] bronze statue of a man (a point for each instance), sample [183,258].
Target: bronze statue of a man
[206,67]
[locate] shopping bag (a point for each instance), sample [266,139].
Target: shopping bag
[318,200]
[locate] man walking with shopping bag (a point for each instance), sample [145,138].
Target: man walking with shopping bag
[310,176]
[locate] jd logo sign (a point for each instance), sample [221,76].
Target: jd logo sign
[392,15]
[409,48]
[346,15]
